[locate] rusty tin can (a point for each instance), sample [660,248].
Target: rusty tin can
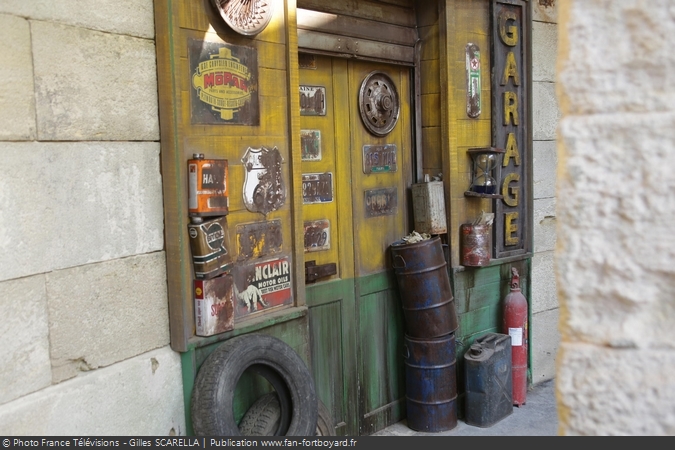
[207,186]
[475,244]
[214,305]
[210,245]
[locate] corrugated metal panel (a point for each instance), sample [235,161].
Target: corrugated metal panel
[345,36]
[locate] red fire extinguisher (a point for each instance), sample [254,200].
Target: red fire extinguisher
[515,325]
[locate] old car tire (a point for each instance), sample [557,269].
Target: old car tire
[270,357]
[262,418]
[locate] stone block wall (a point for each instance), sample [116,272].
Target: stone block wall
[545,114]
[82,268]
[615,255]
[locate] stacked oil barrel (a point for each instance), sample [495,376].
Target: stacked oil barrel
[431,322]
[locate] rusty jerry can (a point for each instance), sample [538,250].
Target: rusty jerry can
[210,246]
[207,186]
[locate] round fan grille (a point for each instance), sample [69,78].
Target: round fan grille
[247,17]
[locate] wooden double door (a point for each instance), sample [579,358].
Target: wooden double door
[356,189]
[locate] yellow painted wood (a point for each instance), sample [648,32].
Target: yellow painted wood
[462,21]
[365,9]
[177,21]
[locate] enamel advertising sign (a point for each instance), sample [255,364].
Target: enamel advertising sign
[224,83]
[262,286]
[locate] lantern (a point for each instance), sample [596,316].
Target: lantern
[486,172]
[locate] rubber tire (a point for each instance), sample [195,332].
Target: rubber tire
[262,418]
[213,393]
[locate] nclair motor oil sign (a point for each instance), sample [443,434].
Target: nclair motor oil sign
[262,286]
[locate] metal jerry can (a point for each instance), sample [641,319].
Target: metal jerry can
[207,186]
[209,243]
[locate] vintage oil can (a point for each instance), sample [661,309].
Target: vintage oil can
[209,243]
[214,305]
[207,186]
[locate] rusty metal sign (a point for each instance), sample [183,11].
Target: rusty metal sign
[262,286]
[381,202]
[312,101]
[317,235]
[473,80]
[379,158]
[317,187]
[264,188]
[307,61]
[510,93]
[310,141]
[259,239]
[224,86]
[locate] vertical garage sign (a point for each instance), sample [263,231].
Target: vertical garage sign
[510,125]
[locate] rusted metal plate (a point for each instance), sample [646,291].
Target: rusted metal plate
[317,187]
[317,235]
[379,158]
[312,101]
[473,80]
[315,271]
[259,239]
[306,61]
[262,286]
[224,83]
[264,188]
[310,140]
[510,120]
[381,202]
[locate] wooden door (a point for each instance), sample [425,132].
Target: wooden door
[356,321]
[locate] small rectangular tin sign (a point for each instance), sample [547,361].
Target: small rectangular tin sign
[317,235]
[379,158]
[381,202]
[312,100]
[258,239]
[262,286]
[473,82]
[317,187]
[310,140]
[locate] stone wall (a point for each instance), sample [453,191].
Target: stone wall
[544,301]
[82,268]
[615,256]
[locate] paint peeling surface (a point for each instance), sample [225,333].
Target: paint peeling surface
[262,286]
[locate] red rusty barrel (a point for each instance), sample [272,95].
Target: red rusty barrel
[431,383]
[424,287]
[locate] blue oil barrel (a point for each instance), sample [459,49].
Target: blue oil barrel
[488,383]
[431,383]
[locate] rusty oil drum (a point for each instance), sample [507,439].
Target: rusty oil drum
[424,287]
[431,383]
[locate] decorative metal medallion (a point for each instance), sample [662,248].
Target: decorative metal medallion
[247,17]
[379,103]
